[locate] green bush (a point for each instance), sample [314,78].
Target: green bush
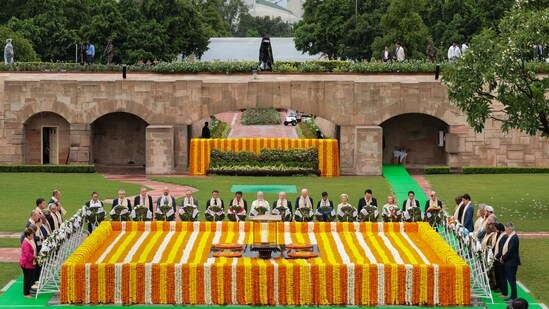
[47,169]
[437,170]
[261,116]
[262,170]
[218,128]
[504,170]
[266,160]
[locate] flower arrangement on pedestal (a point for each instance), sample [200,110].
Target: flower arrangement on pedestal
[434,215]
[188,213]
[141,213]
[120,213]
[325,213]
[413,214]
[304,214]
[95,215]
[236,213]
[164,213]
[368,213]
[214,213]
[391,213]
[347,213]
[283,212]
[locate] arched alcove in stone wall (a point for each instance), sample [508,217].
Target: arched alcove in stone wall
[47,139]
[118,139]
[419,134]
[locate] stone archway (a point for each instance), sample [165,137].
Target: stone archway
[419,133]
[47,139]
[118,139]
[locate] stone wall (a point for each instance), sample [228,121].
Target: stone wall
[359,104]
[327,128]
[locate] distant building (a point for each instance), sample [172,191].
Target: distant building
[292,14]
[247,49]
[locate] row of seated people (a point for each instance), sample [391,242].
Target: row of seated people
[302,210]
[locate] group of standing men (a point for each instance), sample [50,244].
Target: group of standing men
[43,220]
[396,55]
[88,50]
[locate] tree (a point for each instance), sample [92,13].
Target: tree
[321,29]
[21,46]
[402,23]
[232,12]
[493,80]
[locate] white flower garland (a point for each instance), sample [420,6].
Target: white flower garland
[163,246]
[311,231]
[436,300]
[389,245]
[287,234]
[350,283]
[190,244]
[207,283]
[233,282]
[118,283]
[365,247]
[178,284]
[114,243]
[88,285]
[135,247]
[412,245]
[275,281]
[380,284]
[148,283]
[409,284]
[241,233]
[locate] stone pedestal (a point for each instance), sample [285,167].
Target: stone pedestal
[368,151]
[159,153]
[80,141]
[361,150]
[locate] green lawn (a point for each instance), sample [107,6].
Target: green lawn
[10,243]
[352,186]
[20,191]
[520,198]
[535,267]
[9,271]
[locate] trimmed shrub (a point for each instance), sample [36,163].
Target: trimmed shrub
[437,170]
[249,170]
[504,170]
[47,168]
[218,128]
[261,115]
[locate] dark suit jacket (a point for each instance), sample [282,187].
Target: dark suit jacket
[439,204]
[297,201]
[288,202]
[137,201]
[362,203]
[88,203]
[329,202]
[222,204]
[404,204]
[503,237]
[115,203]
[160,203]
[243,201]
[511,257]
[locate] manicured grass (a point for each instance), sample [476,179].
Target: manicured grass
[9,271]
[521,198]
[10,243]
[20,191]
[535,267]
[352,186]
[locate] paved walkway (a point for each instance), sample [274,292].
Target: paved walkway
[240,130]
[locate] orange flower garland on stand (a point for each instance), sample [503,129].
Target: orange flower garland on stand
[199,161]
[365,264]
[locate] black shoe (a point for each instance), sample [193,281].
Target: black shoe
[498,290]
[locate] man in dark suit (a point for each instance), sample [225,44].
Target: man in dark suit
[97,204]
[410,201]
[166,199]
[189,200]
[144,199]
[433,204]
[122,200]
[367,200]
[215,200]
[510,259]
[304,200]
[501,281]
[282,201]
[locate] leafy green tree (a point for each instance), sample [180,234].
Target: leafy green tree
[21,46]
[402,23]
[210,14]
[321,29]
[232,12]
[493,79]
[183,25]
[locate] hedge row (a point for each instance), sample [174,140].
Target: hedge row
[263,171]
[47,169]
[504,170]
[261,116]
[291,157]
[232,67]
[437,170]
[488,170]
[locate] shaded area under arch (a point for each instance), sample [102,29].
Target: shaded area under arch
[47,139]
[118,139]
[419,134]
